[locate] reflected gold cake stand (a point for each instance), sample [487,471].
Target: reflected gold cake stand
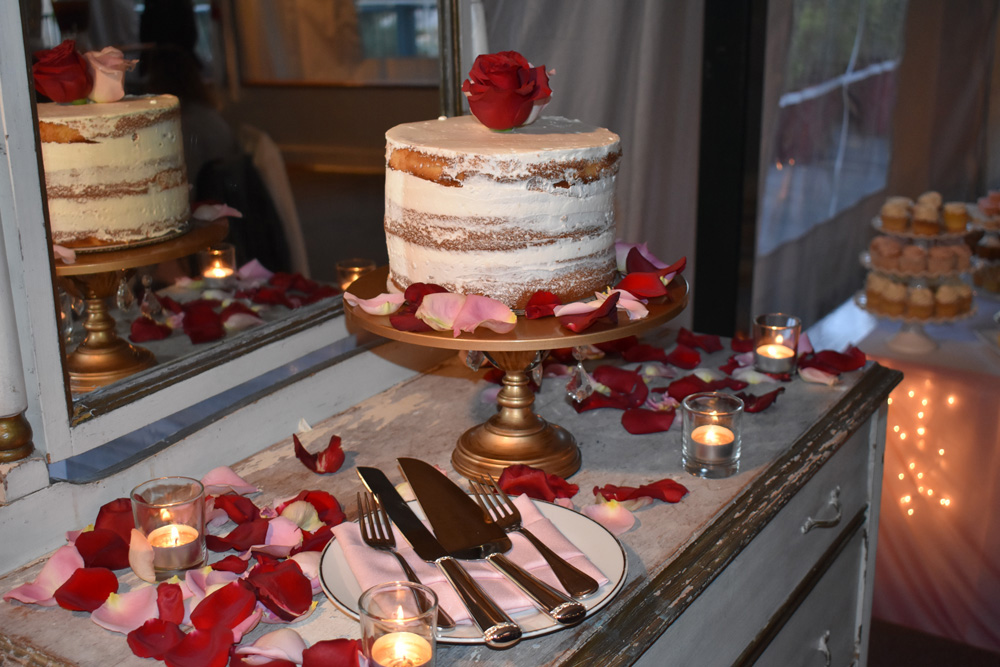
[515,434]
[103,357]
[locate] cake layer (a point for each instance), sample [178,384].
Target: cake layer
[114,172]
[503,214]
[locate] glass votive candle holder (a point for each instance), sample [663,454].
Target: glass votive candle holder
[398,620]
[217,263]
[776,342]
[349,270]
[170,512]
[710,439]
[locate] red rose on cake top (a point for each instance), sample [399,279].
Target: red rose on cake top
[63,75]
[505,91]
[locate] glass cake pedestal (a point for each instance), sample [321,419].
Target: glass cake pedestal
[516,434]
[103,357]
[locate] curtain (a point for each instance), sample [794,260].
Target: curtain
[633,66]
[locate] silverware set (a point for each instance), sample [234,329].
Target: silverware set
[467,528]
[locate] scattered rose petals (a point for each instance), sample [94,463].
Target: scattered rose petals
[309,563]
[439,310]
[612,515]
[231,563]
[327,461]
[128,611]
[67,255]
[208,211]
[170,602]
[281,644]
[140,556]
[56,571]
[684,357]
[102,548]
[624,250]
[834,362]
[691,384]
[328,507]
[541,304]
[642,285]
[316,541]
[416,292]
[606,311]
[480,311]
[86,589]
[303,514]
[639,421]
[254,271]
[643,352]
[154,638]
[226,607]
[145,329]
[282,536]
[666,490]
[617,346]
[707,342]
[241,538]
[760,403]
[340,652]
[383,304]
[817,376]
[201,323]
[201,648]
[752,376]
[282,588]
[741,343]
[535,483]
[239,509]
[405,319]
[116,516]
[223,480]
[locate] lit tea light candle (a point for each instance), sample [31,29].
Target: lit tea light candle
[401,649]
[175,547]
[713,442]
[218,271]
[776,338]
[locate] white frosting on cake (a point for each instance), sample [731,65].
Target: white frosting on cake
[114,172]
[501,213]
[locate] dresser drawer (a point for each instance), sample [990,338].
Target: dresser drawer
[823,630]
[729,614]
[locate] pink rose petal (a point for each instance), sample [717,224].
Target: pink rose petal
[283,535]
[127,611]
[309,562]
[67,255]
[209,212]
[630,304]
[222,480]
[254,271]
[140,557]
[817,376]
[56,571]
[280,644]
[481,311]
[611,515]
[440,310]
[383,304]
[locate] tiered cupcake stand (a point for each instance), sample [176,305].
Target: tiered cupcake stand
[912,338]
[515,434]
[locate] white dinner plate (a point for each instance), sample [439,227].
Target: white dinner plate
[593,539]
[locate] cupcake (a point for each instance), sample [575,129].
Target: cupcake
[913,259]
[963,256]
[873,292]
[926,220]
[989,247]
[919,303]
[946,301]
[994,196]
[896,214]
[956,217]
[893,295]
[884,252]
[964,297]
[941,259]
[988,207]
[930,198]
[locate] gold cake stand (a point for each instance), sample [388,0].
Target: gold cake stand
[515,434]
[103,357]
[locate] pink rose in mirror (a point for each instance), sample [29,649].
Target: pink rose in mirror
[108,67]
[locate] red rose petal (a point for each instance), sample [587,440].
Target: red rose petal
[332,653]
[666,490]
[535,483]
[740,343]
[405,319]
[597,401]
[328,507]
[154,638]
[322,292]
[272,296]
[170,602]
[282,588]
[760,403]
[707,342]
[642,285]
[201,323]
[416,292]
[316,541]
[643,352]
[225,607]
[102,548]
[541,304]
[617,346]
[231,563]
[116,516]
[622,381]
[834,362]
[202,648]
[684,357]
[636,262]
[327,461]
[240,660]
[691,384]
[638,421]
[87,589]
[607,312]
[146,329]
[170,304]
[239,509]
[242,537]
[676,267]
[730,365]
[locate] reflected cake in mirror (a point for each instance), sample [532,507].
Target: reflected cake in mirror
[114,172]
[502,214]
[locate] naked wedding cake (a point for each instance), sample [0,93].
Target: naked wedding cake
[114,172]
[502,214]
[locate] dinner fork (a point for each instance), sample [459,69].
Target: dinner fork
[496,504]
[376,531]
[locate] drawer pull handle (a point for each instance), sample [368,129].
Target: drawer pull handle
[824,648]
[834,502]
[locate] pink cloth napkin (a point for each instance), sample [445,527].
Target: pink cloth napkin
[372,567]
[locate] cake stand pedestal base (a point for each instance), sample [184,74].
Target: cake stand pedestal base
[516,435]
[912,339]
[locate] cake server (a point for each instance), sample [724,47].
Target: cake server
[499,631]
[460,524]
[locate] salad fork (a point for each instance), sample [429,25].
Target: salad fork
[497,505]
[376,531]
